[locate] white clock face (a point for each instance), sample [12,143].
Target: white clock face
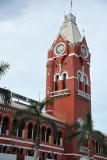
[84,51]
[59,48]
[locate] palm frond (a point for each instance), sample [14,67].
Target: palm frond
[71,136]
[99,137]
[74,126]
[5,94]
[88,123]
[81,138]
[26,113]
[3,68]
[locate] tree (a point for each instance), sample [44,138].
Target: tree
[3,68]
[85,132]
[34,112]
[4,93]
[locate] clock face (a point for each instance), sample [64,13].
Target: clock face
[84,51]
[59,48]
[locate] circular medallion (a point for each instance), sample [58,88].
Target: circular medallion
[84,51]
[59,49]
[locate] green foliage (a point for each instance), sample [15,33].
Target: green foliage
[5,94]
[85,132]
[34,112]
[3,68]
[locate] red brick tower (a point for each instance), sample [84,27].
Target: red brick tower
[68,74]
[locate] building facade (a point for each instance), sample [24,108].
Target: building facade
[68,84]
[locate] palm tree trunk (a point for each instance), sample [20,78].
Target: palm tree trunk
[36,149]
[36,144]
[89,153]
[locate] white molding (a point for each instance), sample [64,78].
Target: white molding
[99,157]
[10,139]
[73,54]
[73,154]
[72,77]
[70,54]
[50,59]
[52,147]
[49,111]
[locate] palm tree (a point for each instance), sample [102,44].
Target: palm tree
[85,132]
[4,93]
[34,112]
[3,68]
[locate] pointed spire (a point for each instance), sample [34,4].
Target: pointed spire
[71,7]
[83,31]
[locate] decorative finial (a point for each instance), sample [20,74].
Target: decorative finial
[39,96]
[83,31]
[71,7]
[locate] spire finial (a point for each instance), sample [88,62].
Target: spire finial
[71,7]
[83,31]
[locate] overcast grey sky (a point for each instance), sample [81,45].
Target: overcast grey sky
[27,30]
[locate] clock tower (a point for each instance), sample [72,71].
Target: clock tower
[68,74]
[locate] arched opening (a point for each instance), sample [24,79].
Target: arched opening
[48,136]
[60,138]
[30,131]
[14,150]
[4,149]
[93,145]
[15,129]
[21,130]
[29,152]
[20,151]
[85,84]
[5,126]
[42,155]
[55,156]
[79,81]
[56,82]
[48,156]
[43,134]
[64,81]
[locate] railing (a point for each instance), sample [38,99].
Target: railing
[83,95]
[60,93]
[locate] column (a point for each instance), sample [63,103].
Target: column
[45,136]
[1,127]
[17,132]
[32,134]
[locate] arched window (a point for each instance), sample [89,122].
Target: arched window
[20,151]
[42,155]
[30,131]
[60,138]
[79,82]
[5,126]
[56,82]
[48,136]
[48,156]
[85,84]
[4,149]
[55,156]
[21,130]
[43,134]
[13,150]
[64,81]
[15,129]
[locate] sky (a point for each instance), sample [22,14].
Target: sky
[27,31]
